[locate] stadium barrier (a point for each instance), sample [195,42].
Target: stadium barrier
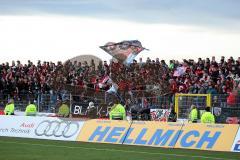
[159,105]
[229,115]
[236,144]
[40,127]
[214,137]
[97,131]
[39,114]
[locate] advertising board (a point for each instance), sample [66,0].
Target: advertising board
[236,143]
[216,137]
[104,131]
[39,127]
[153,133]
[135,133]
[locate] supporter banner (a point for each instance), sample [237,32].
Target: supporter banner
[236,144]
[227,115]
[216,137]
[159,114]
[39,127]
[104,131]
[97,111]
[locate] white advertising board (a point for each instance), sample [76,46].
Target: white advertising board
[41,114]
[236,144]
[40,127]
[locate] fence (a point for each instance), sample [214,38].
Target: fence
[135,105]
[183,103]
[226,108]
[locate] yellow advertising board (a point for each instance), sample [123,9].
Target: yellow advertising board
[132,133]
[153,133]
[104,131]
[217,137]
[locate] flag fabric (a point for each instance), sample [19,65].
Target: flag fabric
[124,51]
[113,89]
[179,71]
[105,81]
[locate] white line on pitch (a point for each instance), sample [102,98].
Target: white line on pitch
[118,150]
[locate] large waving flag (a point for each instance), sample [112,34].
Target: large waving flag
[124,51]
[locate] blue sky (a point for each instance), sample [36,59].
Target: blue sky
[180,28]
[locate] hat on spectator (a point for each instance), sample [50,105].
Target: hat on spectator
[90,105]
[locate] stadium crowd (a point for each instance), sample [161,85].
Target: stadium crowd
[158,77]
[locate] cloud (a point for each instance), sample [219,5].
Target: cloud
[54,38]
[211,13]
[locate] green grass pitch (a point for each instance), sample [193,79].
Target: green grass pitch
[32,149]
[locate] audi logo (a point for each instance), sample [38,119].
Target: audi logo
[64,129]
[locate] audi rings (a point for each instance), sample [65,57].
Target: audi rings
[64,129]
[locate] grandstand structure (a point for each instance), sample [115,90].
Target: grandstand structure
[151,91]
[152,84]
[85,58]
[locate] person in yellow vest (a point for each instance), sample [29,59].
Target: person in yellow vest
[117,112]
[64,110]
[193,115]
[207,116]
[9,109]
[31,109]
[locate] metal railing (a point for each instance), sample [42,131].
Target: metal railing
[50,102]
